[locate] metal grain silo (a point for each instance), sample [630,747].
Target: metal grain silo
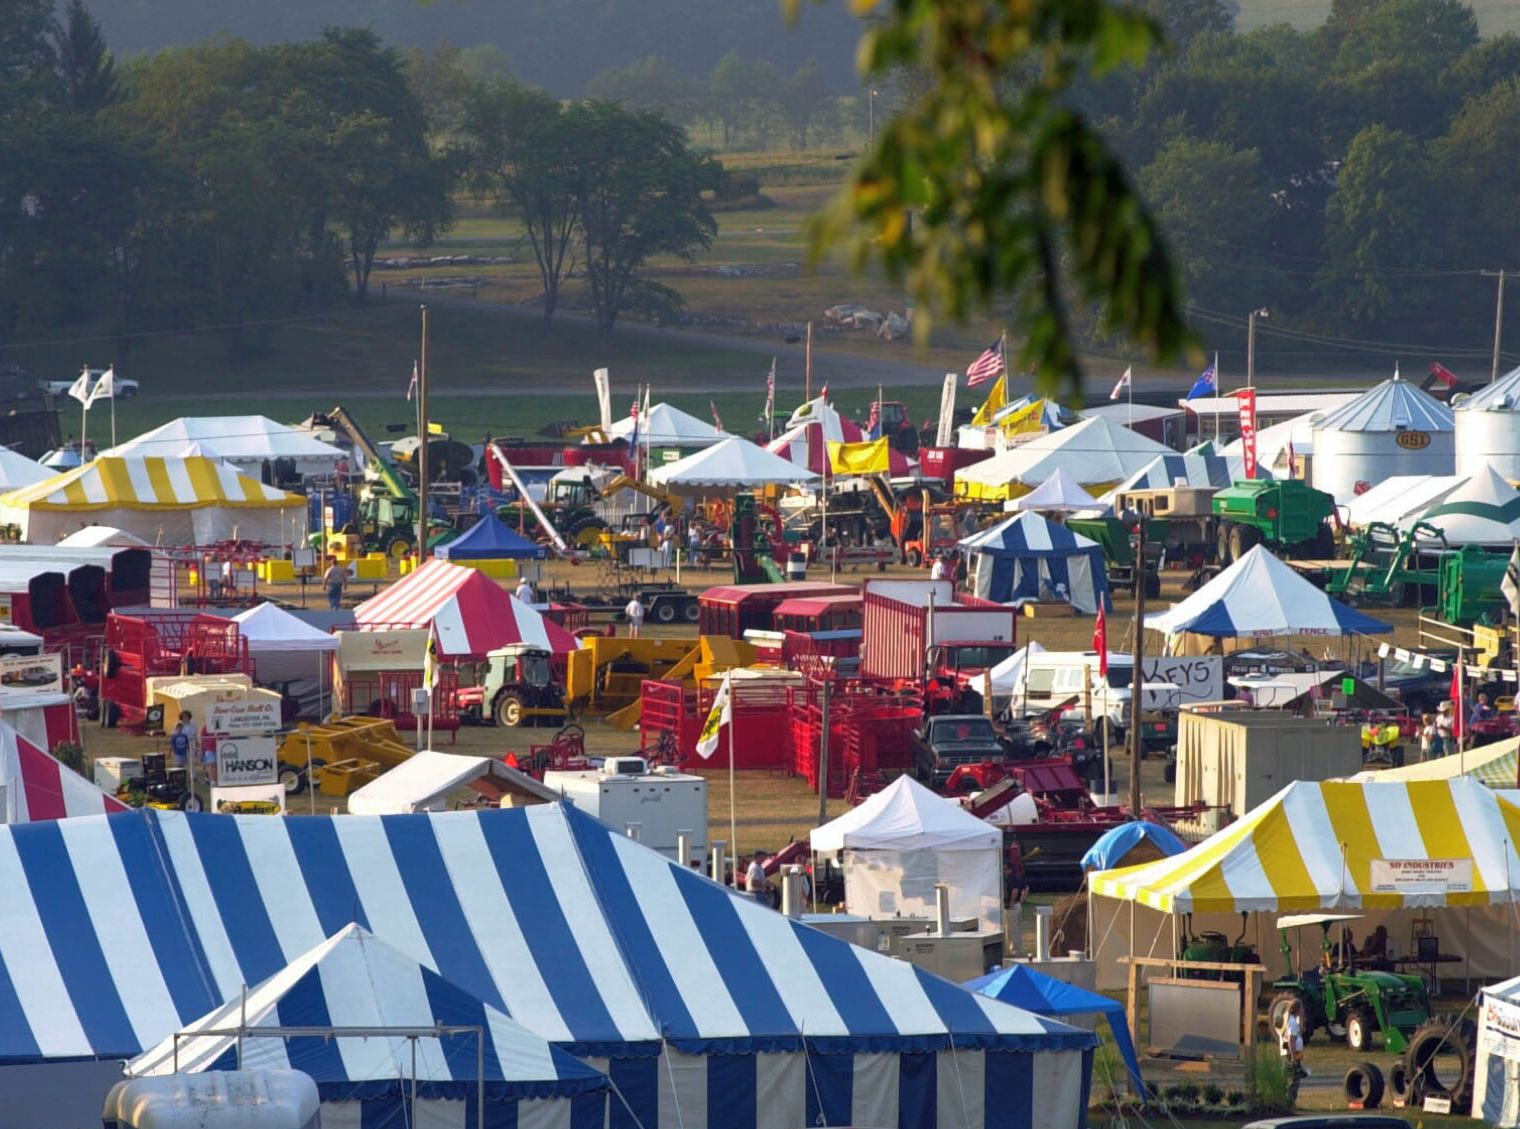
[1488,428]
[1391,429]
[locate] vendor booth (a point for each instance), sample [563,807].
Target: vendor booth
[291,654]
[494,549]
[1496,1079]
[1434,861]
[379,673]
[1029,557]
[427,781]
[902,842]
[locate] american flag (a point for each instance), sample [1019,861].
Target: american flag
[987,367]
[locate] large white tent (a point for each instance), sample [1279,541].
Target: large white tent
[666,426]
[905,839]
[244,442]
[1008,675]
[1280,446]
[288,650]
[1096,453]
[16,470]
[733,464]
[1394,499]
[1057,494]
[1484,510]
[1259,597]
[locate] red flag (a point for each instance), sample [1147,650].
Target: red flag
[1443,374]
[717,422]
[1100,642]
[1458,704]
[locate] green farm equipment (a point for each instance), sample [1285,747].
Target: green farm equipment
[1118,543]
[1215,948]
[1384,560]
[1287,515]
[1470,590]
[1349,1003]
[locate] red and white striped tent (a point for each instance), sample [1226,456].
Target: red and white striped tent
[38,787]
[472,614]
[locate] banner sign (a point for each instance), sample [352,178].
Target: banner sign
[1500,1022]
[251,715]
[241,761]
[32,674]
[944,434]
[1199,677]
[1422,876]
[1246,400]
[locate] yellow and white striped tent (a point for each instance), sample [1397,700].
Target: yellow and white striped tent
[1096,453]
[1389,850]
[190,500]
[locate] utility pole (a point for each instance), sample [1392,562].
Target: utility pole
[1251,345]
[1137,676]
[1498,322]
[871,99]
[808,393]
[422,445]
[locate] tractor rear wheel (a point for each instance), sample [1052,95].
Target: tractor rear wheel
[1281,1004]
[1441,1058]
[691,611]
[1361,1027]
[509,711]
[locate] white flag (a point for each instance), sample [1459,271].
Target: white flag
[945,430]
[1123,383]
[722,714]
[603,381]
[411,389]
[80,389]
[1510,585]
[105,387]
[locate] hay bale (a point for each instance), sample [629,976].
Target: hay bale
[1068,924]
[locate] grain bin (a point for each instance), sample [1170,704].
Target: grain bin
[1488,428]
[1394,428]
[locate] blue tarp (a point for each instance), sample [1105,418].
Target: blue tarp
[1035,992]
[1109,851]
[490,540]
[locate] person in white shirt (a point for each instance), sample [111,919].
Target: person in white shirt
[937,570]
[757,883]
[525,591]
[635,613]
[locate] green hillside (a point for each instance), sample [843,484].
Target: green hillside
[1494,16]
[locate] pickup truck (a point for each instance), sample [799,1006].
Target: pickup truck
[125,387]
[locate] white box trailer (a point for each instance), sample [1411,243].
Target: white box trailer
[653,807]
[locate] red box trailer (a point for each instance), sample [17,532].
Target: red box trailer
[733,609]
[918,629]
[942,462]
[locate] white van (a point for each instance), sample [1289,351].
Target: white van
[1052,678]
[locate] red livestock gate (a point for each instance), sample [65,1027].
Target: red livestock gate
[164,642]
[870,734]
[673,716]
[389,694]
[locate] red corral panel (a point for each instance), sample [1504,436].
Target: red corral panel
[896,630]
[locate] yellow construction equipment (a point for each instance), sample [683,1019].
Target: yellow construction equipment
[622,482]
[343,754]
[607,674]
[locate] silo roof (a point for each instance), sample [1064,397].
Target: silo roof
[1394,405]
[1502,395]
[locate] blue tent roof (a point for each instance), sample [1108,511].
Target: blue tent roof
[1035,992]
[490,540]
[1114,844]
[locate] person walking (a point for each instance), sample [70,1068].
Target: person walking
[182,740]
[1446,725]
[335,579]
[635,613]
[1429,738]
[937,570]
[757,883]
[525,591]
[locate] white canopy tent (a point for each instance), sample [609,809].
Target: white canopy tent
[16,470]
[734,464]
[1496,1074]
[1394,499]
[288,650]
[243,442]
[1008,675]
[1281,445]
[425,781]
[1057,494]
[668,427]
[102,536]
[905,839]
[1094,453]
[1484,510]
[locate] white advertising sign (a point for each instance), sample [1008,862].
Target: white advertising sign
[1422,876]
[1200,678]
[251,715]
[244,761]
[1501,1028]
[34,674]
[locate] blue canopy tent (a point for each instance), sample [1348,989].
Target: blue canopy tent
[490,540]
[354,980]
[1035,992]
[1113,845]
[704,1008]
[1030,558]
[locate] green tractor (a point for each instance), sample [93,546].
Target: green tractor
[1215,948]
[1349,1003]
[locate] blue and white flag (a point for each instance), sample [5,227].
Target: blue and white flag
[1207,383]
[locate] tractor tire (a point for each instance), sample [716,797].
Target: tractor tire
[1361,1029]
[1363,1086]
[110,715]
[1222,543]
[1323,546]
[913,558]
[691,611]
[190,802]
[1432,1049]
[1152,585]
[1277,1012]
[399,548]
[665,612]
[585,532]
[1403,1087]
[508,711]
[112,665]
[293,780]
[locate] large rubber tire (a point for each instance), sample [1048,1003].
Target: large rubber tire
[1222,543]
[190,802]
[112,665]
[508,711]
[691,611]
[1403,1087]
[293,780]
[110,715]
[1363,1085]
[1442,1055]
[1361,1029]
[1278,1010]
[585,532]
[1324,543]
[665,611]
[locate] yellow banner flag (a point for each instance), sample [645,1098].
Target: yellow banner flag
[996,401]
[871,457]
[1027,419]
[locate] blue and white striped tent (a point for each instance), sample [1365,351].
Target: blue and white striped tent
[1029,558]
[1192,469]
[1260,597]
[354,980]
[703,1007]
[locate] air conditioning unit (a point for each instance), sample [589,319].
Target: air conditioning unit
[955,956]
[625,766]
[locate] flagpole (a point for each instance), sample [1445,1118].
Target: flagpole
[1217,382]
[733,820]
[1129,381]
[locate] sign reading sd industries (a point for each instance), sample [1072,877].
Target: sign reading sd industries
[1421,876]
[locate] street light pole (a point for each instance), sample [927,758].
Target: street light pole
[1251,345]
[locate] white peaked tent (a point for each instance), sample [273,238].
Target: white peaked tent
[1274,443]
[1484,510]
[1402,496]
[286,649]
[668,427]
[1057,494]
[1008,675]
[733,464]
[1496,1076]
[1260,597]
[243,442]
[17,470]
[1094,453]
[102,536]
[905,839]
